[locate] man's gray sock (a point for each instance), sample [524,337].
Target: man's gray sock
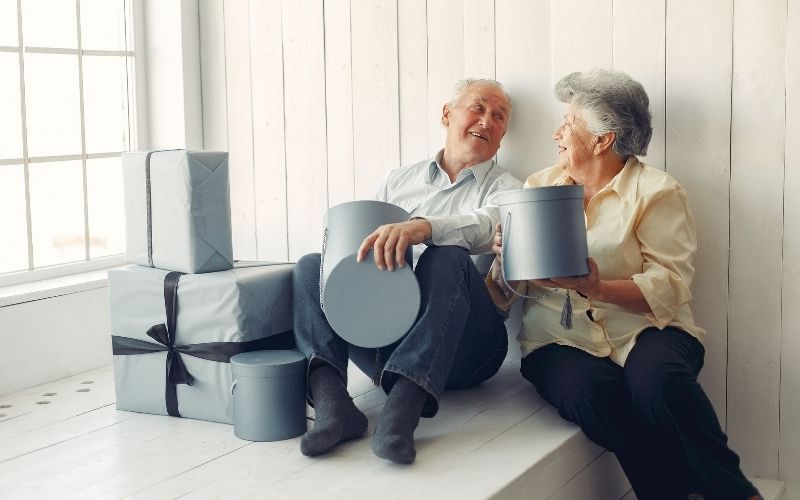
[394,434]
[336,418]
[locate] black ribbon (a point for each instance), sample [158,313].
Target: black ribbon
[164,335]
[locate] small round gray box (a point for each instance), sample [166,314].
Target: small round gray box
[269,395]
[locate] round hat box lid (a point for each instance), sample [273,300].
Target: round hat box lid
[368,307]
[543,193]
[268,364]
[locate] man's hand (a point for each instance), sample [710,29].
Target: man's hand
[390,242]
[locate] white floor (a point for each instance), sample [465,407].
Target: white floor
[500,440]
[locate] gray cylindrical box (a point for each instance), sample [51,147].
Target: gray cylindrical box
[269,395]
[544,232]
[365,306]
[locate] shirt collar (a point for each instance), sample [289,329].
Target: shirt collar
[478,171]
[625,183]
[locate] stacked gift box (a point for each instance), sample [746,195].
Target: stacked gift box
[183,307]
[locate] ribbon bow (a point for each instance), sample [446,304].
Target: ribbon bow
[164,335]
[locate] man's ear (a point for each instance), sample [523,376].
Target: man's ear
[604,142]
[446,114]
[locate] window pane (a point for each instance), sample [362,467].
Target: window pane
[8,23]
[106,226]
[52,104]
[10,119]
[14,249]
[57,212]
[49,23]
[105,103]
[103,24]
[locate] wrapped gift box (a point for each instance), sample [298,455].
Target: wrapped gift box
[173,334]
[177,210]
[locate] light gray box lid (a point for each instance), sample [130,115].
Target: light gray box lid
[368,307]
[543,193]
[268,364]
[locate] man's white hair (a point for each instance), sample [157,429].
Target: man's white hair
[462,85]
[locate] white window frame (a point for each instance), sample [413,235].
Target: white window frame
[133,12]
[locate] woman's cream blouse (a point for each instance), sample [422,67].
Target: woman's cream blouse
[639,227]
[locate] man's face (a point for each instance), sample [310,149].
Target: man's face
[476,123]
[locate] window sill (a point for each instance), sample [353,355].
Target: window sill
[53,287]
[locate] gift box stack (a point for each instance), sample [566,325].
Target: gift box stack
[182,307]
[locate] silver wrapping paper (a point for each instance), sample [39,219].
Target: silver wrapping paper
[239,305]
[190,210]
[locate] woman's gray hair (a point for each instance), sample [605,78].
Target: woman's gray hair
[611,101]
[462,85]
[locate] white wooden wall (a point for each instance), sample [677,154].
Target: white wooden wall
[316,101]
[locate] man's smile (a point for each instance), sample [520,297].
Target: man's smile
[476,134]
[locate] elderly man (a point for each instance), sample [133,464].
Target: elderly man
[458,340]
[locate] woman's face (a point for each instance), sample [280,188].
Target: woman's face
[575,142]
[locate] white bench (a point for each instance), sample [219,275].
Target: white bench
[498,440]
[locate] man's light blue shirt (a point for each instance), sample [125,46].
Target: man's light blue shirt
[462,213]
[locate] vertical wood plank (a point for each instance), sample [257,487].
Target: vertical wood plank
[698,117]
[212,68]
[238,84]
[789,447]
[304,87]
[523,67]
[581,34]
[639,50]
[339,99]
[269,154]
[756,201]
[376,119]
[479,47]
[445,62]
[412,26]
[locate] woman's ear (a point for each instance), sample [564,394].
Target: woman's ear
[604,142]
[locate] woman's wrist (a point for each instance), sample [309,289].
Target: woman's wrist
[596,293]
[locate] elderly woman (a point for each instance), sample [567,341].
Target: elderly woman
[625,367]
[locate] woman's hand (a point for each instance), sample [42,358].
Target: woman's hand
[497,245]
[588,285]
[497,266]
[624,293]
